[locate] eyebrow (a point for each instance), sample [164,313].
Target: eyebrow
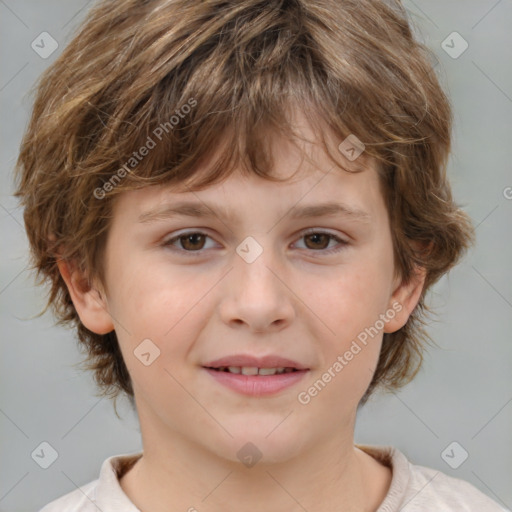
[204,210]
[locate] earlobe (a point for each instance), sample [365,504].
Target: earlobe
[89,303]
[404,299]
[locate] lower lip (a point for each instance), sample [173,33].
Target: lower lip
[257,385]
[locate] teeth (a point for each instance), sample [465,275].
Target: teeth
[253,370]
[249,370]
[268,371]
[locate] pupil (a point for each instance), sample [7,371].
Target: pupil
[191,241]
[319,235]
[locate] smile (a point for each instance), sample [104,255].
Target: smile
[253,370]
[254,381]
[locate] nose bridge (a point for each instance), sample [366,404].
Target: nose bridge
[253,264]
[255,295]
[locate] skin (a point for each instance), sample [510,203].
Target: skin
[294,300]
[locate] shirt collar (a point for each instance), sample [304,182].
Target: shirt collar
[110,496]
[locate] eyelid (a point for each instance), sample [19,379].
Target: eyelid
[175,237]
[301,234]
[324,231]
[334,236]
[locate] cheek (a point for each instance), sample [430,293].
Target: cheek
[350,303]
[156,302]
[150,296]
[154,305]
[355,295]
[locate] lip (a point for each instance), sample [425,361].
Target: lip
[270,361]
[256,385]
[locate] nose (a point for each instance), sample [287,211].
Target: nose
[256,295]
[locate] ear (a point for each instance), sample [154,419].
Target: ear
[404,299]
[89,303]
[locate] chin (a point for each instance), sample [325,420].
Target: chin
[260,444]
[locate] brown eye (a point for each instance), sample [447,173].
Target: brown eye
[193,241]
[319,240]
[189,242]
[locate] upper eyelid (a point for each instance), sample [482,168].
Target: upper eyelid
[300,234]
[204,231]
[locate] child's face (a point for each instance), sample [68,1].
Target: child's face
[299,299]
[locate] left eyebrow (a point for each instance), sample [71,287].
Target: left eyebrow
[204,210]
[330,209]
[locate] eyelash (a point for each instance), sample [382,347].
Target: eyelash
[170,241]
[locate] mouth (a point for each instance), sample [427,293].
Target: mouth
[249,364]
[254,370]
[256,377]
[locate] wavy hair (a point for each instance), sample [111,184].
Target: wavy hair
[133,65]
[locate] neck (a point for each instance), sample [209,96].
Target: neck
[184,476]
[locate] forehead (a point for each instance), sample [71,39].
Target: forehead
[311,174]
[252,200]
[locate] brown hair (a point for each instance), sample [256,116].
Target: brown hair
[351,66]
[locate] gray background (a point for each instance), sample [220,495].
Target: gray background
[463,392]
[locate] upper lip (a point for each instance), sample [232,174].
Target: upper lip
[243,360]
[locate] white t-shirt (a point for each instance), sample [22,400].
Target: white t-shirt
[413,488]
